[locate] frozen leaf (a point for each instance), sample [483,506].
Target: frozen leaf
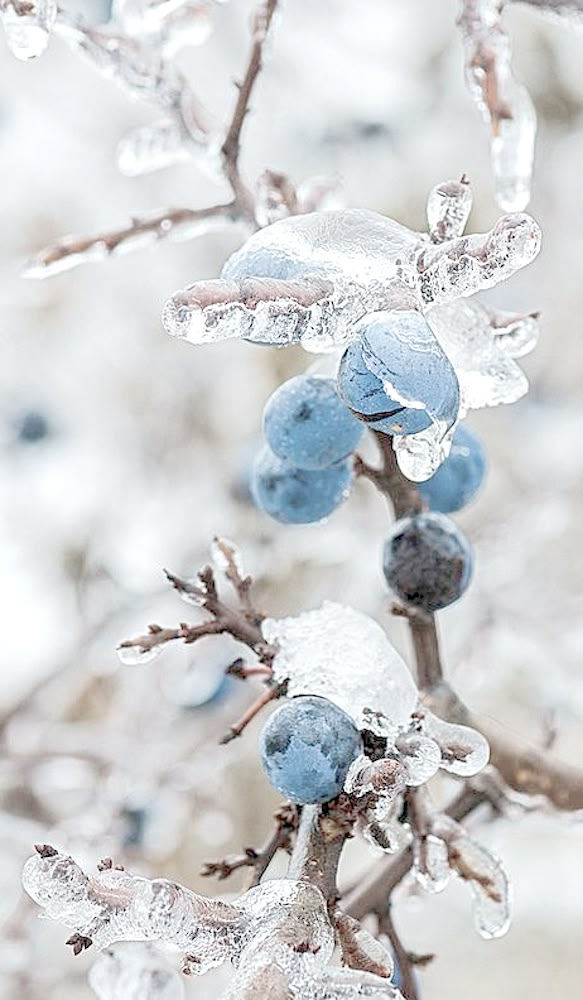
[464,751]
[345,656]
[308,279]
[431,862]
[361,950]
[28,25]
[420,756]
[134,972]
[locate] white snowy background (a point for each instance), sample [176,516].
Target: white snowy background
[147,449]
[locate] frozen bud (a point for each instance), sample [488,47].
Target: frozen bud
[486,876]
[448,209]
[384,778]
[28,25]
[420,756]
[227,557]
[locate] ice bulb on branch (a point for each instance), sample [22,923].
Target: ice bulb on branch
[28,25]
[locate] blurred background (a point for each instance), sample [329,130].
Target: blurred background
[123,451]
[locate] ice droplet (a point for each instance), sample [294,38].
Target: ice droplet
[488,880]
[345,656]
[421,757]
[464,751]
[152,147]
[134,972]
[28,29]
[420,455]
[431,862]
[135,656]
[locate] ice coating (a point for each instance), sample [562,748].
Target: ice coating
[172,23]
[421,757]
[504,103]
[385,779]
[345,656]
[348,984]
[152,147]
[448,209]
[464,751]
[113,905]
[309,278]
[400,349]
[485,874]
[431,862]
[487,373]
[134,972]
[28,26]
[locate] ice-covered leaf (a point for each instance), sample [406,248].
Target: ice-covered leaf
[134,972]
[345,656]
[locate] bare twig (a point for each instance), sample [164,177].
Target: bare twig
[408,985]
[280,840]
[231,145]
[273,692]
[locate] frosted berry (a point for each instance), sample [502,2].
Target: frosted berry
[307,747]
[427,561]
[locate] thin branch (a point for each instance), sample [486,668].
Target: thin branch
[168,223]
[373,893]
[273,692]
[280,840]
[231,145]
[524,768]
[408,985]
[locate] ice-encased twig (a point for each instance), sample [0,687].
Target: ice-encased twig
[134,972]
[138,68]
[360,262]
[175,224]
[503,101]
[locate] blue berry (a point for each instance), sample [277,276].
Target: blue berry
[427,561]
[31,427]
[364,394]
[397,374]
[460,476]
[307,746]
[297,496]
[307,424]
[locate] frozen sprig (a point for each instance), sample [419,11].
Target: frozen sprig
[504,102]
